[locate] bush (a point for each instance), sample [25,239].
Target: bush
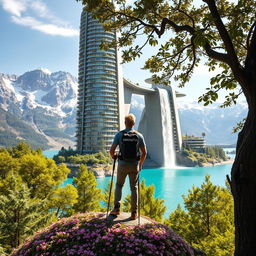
[89,234]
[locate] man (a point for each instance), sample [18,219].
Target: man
[132,153]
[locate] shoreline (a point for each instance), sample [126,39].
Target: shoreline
[229,161]
[106,171]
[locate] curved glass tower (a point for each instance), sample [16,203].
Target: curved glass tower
[100,91]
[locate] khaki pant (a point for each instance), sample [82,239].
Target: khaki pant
[123,170]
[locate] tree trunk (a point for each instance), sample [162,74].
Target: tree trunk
[243,185]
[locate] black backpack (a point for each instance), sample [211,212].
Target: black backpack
[129,146]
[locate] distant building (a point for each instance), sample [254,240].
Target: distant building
[100,91]
[195,143]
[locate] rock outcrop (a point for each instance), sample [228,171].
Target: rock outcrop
[91,234]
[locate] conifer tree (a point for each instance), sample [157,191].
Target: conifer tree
[150,206]
[208,222]
[22,149]
[89,196]
[63,200]
[20,216]
[7,163]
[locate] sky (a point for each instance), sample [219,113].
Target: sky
[45,34]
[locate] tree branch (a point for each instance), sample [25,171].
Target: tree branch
[249,35]
[216,55]
[224,34]
[186,14]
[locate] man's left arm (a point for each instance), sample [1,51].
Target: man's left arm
[143,151]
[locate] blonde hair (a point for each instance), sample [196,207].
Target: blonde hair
[130,120]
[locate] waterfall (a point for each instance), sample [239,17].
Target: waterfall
[167,132]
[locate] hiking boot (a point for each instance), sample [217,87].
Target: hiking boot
[115,211]
[134,216]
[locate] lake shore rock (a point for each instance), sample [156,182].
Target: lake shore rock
[188,162]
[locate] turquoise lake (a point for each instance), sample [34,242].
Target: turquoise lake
[171,184]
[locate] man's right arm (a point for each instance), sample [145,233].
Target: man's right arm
[112,152]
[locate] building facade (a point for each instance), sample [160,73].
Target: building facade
[195,143]
[100,91]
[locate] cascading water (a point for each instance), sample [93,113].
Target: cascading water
[167,132]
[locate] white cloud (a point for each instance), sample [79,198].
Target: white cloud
[56,30]
[14,7]
[46,23]
[49,29]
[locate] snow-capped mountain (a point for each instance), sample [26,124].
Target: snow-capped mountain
[45,100]
[217,123]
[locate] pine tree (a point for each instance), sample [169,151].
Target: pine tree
[150,206]
[20,216]
[7,163]
[208,222]
[63,199]
[89,196]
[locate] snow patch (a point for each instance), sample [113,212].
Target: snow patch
[45,70]
[8,84]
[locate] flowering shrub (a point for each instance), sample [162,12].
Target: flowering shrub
[89,234]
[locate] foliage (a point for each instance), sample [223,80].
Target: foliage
[211,155]
[64,153]
[27,181]
[63,199]
[2,251]
[215,152]
[150,206]
[208,222]
[91,159]
[20,216]
[40,174]
[88,234]
[22,149]
[89,196]
[71,156]
[7,164]
[239,126]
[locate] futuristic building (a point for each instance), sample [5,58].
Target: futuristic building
[104,97]
[159,121]
[100,91]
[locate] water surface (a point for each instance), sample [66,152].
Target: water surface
[171,184]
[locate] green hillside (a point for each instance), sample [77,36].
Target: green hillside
[13,130]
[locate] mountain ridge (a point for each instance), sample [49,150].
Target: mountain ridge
[46,102]
[43,100]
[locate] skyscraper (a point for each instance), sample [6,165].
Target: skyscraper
[100,91]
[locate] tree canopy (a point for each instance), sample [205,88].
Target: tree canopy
[208,222]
